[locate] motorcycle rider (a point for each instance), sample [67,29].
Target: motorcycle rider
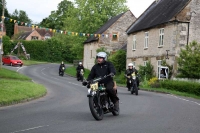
[78,69]
[128,72]
[101,69]
[61,65]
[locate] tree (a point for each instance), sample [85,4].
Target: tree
[21,16]
[189,61]
[119,60]
[93,14]
[146,72]
[57,18]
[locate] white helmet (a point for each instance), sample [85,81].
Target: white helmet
[102,55]
[130,64]
[80,63]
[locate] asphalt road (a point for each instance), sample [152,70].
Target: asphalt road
[65,109]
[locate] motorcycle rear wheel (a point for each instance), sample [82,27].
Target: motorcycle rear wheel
[97,112]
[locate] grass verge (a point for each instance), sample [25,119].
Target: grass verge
[16,88]
[72,71]
[32,62]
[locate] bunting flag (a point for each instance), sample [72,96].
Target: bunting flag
[25,24]
[10,20]
[7,19]
[15,21]
[22,23]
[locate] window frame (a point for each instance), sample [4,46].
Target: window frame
[161,37]
[146,40]
[134,42]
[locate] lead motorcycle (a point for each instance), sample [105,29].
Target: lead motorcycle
[133,83]
[99,101]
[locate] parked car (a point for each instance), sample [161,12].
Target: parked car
[11,60]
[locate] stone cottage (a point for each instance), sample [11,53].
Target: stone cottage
[161,31]
[111,35]
[29,33]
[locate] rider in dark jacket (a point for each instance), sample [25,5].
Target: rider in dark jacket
[128,72]
[101,69]
[78,69]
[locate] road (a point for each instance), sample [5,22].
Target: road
[65,109]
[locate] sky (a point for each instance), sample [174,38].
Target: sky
[37,10]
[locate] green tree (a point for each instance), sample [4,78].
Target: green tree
[21,16]
[57,18]
[189,61]
[93,14]
[146,72]
[119,60]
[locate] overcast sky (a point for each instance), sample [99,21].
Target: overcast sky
[39,9]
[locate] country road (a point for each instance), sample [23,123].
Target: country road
[65,109]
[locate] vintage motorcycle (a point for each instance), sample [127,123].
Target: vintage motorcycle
[61,72]
[81,75]
[99,101]
[133,83]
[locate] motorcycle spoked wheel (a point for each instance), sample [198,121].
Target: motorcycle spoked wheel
[97,112]
[81,78]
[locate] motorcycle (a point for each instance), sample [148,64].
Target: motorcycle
[132,83]
[62,70]
[99,101]
[81,75]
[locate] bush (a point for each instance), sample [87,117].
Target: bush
[181,86]
[120,78]
[146,72]
[154,82]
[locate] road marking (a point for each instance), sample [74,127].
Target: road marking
[29,129]
[184,99]
[20,68]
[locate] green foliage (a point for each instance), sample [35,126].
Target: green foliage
[7,45]
[93,14]
[181,86]
[120,78]
[146,72]
[119,60]
[72,71]
[189,61]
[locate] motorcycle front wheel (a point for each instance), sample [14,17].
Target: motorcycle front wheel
[96,110]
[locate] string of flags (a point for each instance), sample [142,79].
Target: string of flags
[60,31]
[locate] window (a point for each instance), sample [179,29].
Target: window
[90,53]
[145,63]
[134,42]
[146,40]
[134,63]
[159,64]
[34,37]
[161,36]
[115,36]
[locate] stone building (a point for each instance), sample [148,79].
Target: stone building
[161,31]
[112,37]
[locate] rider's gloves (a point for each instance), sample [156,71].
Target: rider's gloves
[112,74]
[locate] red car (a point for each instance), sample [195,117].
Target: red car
[11,60]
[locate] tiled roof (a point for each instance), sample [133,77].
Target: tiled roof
[104,28]
[42,31]
[24,35]
[159,12]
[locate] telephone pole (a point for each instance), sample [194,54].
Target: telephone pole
[1,36]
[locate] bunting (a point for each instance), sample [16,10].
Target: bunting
[61,31]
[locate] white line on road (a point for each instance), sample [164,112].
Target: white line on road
[29,129]
[20,68]
[184,99]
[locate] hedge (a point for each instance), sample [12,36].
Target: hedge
[181,86]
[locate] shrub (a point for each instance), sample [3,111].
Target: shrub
[146,72]
[154,82]
[182,86]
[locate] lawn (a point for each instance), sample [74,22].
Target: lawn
[32,62]
[15,88]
